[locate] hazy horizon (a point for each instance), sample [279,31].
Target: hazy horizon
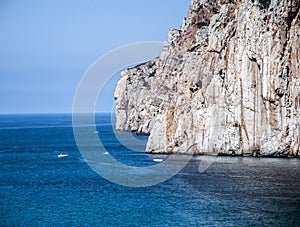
[46,47]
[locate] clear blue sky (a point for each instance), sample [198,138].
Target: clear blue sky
[46,46]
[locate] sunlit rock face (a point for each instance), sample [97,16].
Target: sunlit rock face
[227,82]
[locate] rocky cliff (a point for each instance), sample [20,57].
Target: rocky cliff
[227,82]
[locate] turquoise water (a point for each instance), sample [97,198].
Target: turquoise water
[39,189]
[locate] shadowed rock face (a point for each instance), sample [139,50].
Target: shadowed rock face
[228,81]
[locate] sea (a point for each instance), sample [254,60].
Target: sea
[38,188]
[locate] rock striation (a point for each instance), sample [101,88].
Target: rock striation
[227,82]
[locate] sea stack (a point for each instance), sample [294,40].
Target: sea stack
[227,82]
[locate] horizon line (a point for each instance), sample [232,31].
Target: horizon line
[35,113]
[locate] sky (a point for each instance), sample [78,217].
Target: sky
[47,46]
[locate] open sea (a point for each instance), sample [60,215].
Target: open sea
[37,188]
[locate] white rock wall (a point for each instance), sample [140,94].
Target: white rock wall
[228,82]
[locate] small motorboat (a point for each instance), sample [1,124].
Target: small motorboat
[158,160]
[96,132]
[62,155]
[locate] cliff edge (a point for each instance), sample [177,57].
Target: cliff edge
[227,82]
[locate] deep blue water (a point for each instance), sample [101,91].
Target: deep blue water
[39,189]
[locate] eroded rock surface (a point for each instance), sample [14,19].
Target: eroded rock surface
[227,82]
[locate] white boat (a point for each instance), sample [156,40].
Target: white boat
[158,160]
[96,132]
[105,152]
[62,155]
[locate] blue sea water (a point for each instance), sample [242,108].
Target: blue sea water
[39,189]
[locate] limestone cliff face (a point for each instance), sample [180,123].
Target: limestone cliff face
[227,82]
